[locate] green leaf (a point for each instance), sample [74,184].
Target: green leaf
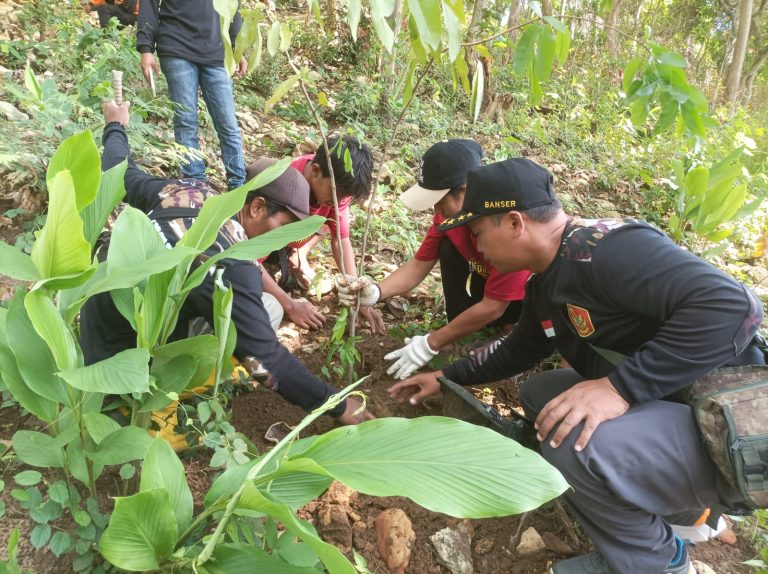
[298,488]
[444,465]
[282,89]
[227,10]
[203,347]
[453,27]
[285,36]
[563,46]
[242,559]
[273,39]
[672,59]
[332,558]
[692,119]
[629,73]
[670,109]
[127,471]
[696,183]
[525,50]
[79,156]
[49,324]
[426,14]
[354,8]
[639,111]
[16,264]
[28,478]
[111,191]
[223,327]
[142,531]
[40,535]
[545,54]
[124,373]
[248,34]
[61,248]
[59,492]
[37,449]
[171,379]
[254,60]
[33,357]
[82,517]
[99,426]
[258,246]
[478,90]
[555,23]
[380,11]
[42,408]
[61,543]
[31,83]
[163,469]
[123,445]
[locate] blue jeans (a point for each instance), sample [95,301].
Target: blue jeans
[183,79]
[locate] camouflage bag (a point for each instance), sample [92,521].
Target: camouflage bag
[731,409]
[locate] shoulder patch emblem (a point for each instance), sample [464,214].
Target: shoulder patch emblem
[581,320]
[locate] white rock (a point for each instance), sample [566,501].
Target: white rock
[530,542]
[10,112]
[454,548]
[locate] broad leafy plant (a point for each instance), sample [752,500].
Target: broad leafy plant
[443,464]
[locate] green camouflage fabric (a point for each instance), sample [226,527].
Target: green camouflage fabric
[731,407]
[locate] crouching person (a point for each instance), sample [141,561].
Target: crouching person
[173,204]
[639,320]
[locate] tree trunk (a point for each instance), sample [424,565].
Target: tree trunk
[513,18]
[477,17]
[546,7]
[611,32]
[733,80]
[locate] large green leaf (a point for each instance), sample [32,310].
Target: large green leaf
[218,208]
[171,377]
[33,357]
[37,449]
[42,408]
[354,8]
[49,324]
[120,446]
[258,246]
[61,248]
[478,91]
[99,426]
[525,50]
[332,558]
[79,156]
[163,469]
[453,28]
[142,531]
[696,182]
[443,464]
[242,559]
[111,192]
[426,14]
[203,347]
[124,373]
[297,488]
[224,328]
[16,264]
[77,464]
[545,53]
[134,240]
[227,10]
[380,11]
[281,91]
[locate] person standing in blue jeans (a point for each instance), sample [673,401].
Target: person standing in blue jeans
[187,37]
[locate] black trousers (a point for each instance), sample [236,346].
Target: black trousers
[108,11]
[454,270]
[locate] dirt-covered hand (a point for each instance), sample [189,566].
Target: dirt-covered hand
[414,355]
[114,113]
[594,401]
[375,320]
[242,67]
[348,289]
[305,315]
[416,389]
[148,62]
[354,414]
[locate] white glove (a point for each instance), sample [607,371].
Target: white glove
[348,289]
[414,355]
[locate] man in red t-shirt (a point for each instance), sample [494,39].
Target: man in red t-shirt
[351,185]
[476,294]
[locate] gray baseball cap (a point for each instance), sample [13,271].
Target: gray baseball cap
[290,189]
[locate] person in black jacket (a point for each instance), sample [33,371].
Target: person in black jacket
[187,37]
[172,204]
[125,11]
[603,291]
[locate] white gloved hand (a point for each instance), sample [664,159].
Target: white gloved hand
[348,289]
[414,355]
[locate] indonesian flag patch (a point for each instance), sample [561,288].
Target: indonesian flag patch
[549,329]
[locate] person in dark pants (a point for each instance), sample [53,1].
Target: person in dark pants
[631,452]
[476,294]
[125,11]
[187,37]
[173,205]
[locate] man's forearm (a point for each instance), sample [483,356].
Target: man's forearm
[146,29]
[470,321]
[404,279]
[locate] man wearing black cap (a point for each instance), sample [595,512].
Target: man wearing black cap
[476,294]
[603,291]
[173,204]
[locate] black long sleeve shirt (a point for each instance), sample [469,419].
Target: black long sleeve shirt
[187,29]
[105,332]
[623,285]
